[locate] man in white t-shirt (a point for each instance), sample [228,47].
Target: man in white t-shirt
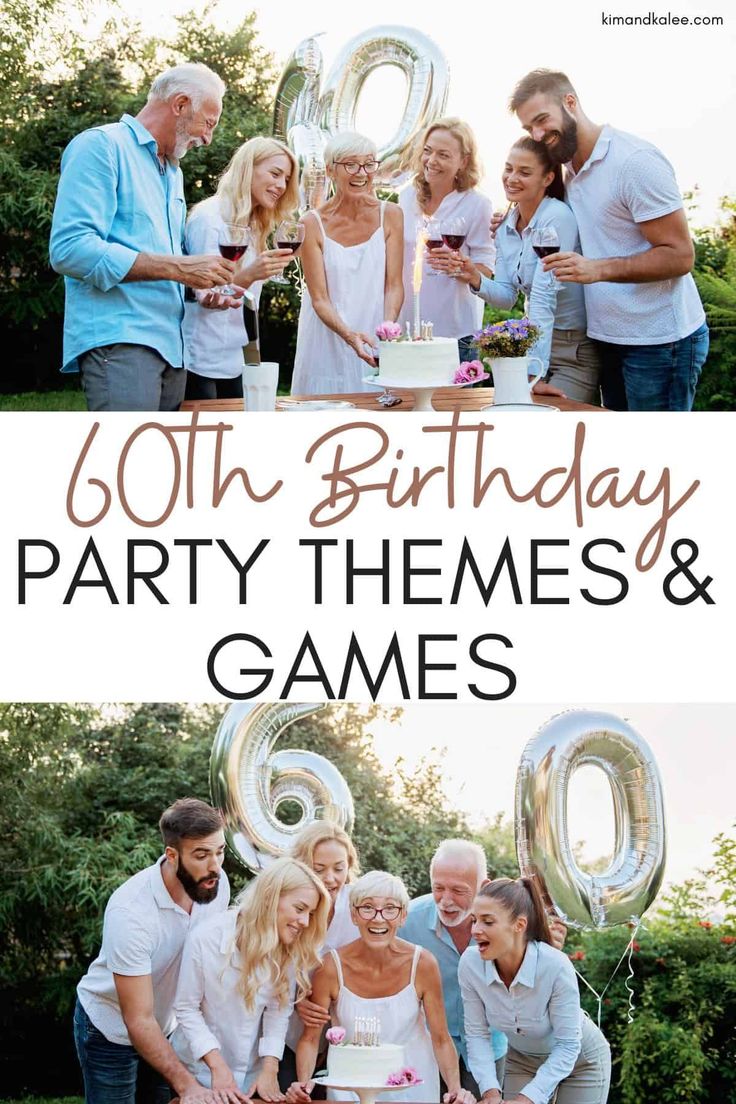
[124,1013]
[641,300]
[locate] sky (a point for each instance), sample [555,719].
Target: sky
[673,85]
[692,744]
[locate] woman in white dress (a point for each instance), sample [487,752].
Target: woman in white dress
[240,972]
[330,853]
[352,255]
[447,172]
[515,981]
[380,975]
[259,188]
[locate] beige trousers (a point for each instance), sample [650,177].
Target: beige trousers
[574,366]
[587,1084]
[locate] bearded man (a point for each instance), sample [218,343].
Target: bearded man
[125,1001]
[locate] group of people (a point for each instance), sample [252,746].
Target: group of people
[219,1004]
[620,317]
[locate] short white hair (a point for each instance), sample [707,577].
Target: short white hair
[378,883]
[346,143]
[462,851]
[192,79]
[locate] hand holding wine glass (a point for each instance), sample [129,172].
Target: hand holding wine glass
[433,240]
[454,231]
[545,242]
[233,241]
[289,236]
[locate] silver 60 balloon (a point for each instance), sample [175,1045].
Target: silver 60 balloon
[249,781]
[306,113]
[624,891]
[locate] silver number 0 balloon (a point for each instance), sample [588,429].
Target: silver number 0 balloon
[305,115]
[249,781]
[626,889]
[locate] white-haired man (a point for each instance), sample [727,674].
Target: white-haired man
[117,236]
[441,921]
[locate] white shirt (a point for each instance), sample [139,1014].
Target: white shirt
[143,933]
[211,1012]
[539,1013]
[627,181]
[447,303]
[213,339]
[549,304]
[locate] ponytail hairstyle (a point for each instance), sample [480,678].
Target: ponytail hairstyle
[556,188]
[521,897]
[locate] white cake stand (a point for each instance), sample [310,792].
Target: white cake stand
[366,1093]
[422,392]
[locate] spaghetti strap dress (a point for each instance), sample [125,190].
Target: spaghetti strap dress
[402,1021]
[356,279]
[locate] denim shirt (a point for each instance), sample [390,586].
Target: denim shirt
[116,200]
[549,305]
[423,927]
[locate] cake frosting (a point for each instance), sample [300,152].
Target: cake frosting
[364,1065]
[426,363]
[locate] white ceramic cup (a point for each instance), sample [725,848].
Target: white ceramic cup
[260,382]
[511,379]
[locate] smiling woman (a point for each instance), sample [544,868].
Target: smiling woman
[239,976]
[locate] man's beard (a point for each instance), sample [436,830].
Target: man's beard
[183,137]
[563,150]
[194,889]
[458,918]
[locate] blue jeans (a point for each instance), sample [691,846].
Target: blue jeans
[114,1074]
[653,377]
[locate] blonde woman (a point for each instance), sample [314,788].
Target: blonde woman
[381,975]
[352,268]
[447,172]
[258,189]
[330,853]
[239,976]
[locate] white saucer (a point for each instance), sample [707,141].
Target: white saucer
[314,404]
[525,407]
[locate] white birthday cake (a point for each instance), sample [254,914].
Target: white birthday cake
[348,1064]
[423,363]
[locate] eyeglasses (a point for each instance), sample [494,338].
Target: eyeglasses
[388,912]
[352,168]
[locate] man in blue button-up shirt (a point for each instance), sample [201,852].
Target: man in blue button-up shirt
[117,237]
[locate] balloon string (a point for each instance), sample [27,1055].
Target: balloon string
[628,950]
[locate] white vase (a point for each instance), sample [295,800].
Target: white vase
[511,378]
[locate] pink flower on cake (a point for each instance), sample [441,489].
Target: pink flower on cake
[335,1035]
[388,331]
[470,372]
[406,1076]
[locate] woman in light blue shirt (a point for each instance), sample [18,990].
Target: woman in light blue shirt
[515,981]
[533,184]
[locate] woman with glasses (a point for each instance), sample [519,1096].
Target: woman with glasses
[380,975]
[352,255]
[445,199]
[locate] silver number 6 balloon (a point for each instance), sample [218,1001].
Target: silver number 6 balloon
[627,888]
[249,781]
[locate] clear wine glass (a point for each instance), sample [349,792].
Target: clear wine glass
[454,232]
[434,240]
[545,242]
[289,235]
[232,241]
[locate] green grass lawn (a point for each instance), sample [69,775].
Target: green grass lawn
[44,400]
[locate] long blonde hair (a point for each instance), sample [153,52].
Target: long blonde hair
[467,177]
[256,933]
[324,831]
[234,189]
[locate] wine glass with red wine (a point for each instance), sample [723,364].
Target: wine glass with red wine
[545,242]
[232,241]
[289,235]
[454,232]
[434,240]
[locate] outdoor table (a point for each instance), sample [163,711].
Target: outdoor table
[444,398]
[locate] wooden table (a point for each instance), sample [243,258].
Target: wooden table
[444,398]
